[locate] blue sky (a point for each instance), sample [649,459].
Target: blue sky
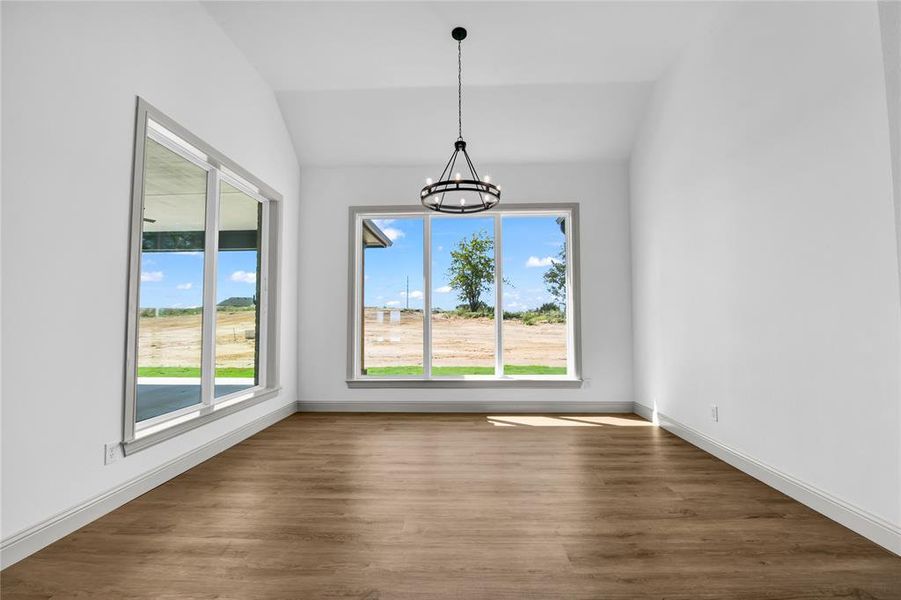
[175,279]
[530,246]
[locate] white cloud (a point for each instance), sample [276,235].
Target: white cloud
[244,277]
[151,276]
[392,303]
[184,286]
[444,289]
[547,261]
[415,294]
[191,253]
[440,248]
[393,234]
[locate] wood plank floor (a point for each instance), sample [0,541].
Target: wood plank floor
[460,506]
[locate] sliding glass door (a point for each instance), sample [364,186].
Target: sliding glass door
[170,321]
[201,307]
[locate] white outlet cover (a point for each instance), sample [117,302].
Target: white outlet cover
[111,452]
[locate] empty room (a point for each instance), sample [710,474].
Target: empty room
[450,300]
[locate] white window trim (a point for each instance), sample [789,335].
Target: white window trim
[573,378]
[153,124]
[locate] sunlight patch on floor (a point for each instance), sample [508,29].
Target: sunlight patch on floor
[564,421]
[608,420]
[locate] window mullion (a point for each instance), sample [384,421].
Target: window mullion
[498,299]
[570,308]
[427,297]
[262,342]
[210,255]
[356,306]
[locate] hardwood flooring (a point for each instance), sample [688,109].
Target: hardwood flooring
[464,507]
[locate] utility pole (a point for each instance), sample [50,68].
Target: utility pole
[408,292]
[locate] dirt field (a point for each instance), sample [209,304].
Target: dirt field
[175,341]
[458,341]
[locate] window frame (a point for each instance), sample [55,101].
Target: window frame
[355,378]
[151,123]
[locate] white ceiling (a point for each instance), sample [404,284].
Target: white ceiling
[374,82]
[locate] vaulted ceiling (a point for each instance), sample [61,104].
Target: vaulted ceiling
[374,83]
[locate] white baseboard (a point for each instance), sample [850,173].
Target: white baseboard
[643,411]
[868,525]
[26,542]
[463,406]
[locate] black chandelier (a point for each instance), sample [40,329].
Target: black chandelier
[457,192]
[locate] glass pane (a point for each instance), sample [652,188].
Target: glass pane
[463,337]
[171,287]
[534,295]
[392,297]
[237,291]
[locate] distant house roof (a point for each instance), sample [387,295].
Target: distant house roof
[373,237]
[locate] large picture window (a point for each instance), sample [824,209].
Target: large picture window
[489,298]
[201,338]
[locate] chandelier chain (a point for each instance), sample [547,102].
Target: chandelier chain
[459,90]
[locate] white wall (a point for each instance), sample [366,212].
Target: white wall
[71,72]
[602,190]
[765,268]
[890,24]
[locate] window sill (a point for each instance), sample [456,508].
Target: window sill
[169,429]
[470,383]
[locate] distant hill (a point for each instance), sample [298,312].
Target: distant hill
[237,302]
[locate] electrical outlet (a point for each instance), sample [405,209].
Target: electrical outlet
[112,452]
[715,413]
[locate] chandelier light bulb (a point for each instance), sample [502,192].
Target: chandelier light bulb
[487,178]
[428,181]
[458,177]
[462,201]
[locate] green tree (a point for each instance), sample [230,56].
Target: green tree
[472,269]
[555,278]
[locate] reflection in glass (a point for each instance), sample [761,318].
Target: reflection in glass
[237,291]
[463,336]
[393,297]
[534,295]
[171,285]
